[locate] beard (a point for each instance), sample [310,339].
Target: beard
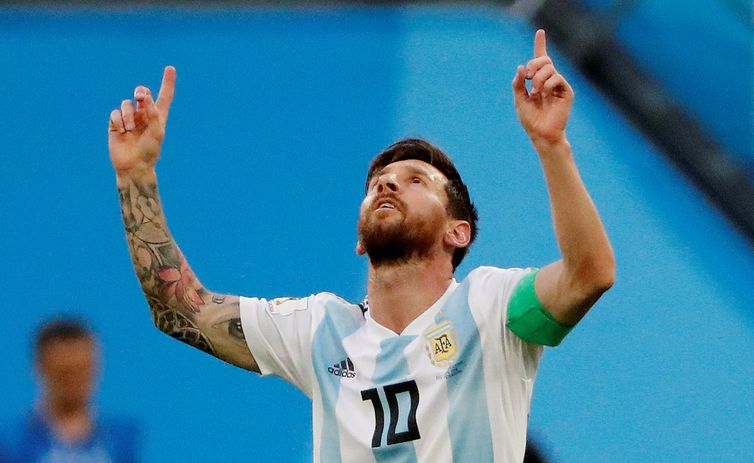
[390,242]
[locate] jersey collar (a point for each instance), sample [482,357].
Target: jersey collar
[417,325]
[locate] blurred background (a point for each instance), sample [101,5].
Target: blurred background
[279,108]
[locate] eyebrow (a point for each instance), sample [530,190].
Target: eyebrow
[417,171]
[410,168]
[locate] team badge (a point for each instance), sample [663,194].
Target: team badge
[441,344]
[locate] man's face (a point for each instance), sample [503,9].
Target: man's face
[404,214]
[67,369]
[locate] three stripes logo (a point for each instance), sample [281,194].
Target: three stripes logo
[344,369]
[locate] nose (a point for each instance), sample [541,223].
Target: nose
[387,182]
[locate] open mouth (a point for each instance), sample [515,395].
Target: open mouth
[386,204]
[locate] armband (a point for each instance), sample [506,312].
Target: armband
[529,319]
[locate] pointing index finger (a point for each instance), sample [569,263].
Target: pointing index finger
[540,43]
[165,97]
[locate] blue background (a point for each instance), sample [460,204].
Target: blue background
[276,117]
[702,52]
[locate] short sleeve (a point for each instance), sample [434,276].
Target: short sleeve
[278,333]
[491,289]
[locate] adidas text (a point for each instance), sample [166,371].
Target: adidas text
[342,373]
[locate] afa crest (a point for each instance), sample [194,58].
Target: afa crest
[441,344]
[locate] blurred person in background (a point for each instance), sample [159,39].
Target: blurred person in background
[427,368]
[63,426]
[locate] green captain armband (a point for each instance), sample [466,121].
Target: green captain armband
[528,318]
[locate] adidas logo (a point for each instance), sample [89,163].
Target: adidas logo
[344,369]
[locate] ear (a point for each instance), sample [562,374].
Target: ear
[360,249]
[458,234]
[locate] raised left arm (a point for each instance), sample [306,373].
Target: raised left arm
[568,287]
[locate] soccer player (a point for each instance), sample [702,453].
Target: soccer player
[427,368]
[63,426]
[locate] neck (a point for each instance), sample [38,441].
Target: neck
[398,294]
[69,423]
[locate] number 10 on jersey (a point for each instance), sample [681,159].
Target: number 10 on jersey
[392,393]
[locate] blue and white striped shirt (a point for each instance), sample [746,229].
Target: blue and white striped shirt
[454,386]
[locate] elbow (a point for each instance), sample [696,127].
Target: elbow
[160,314]
[597,276]
[604,281]
[156,319]
[603,277]
[170,323]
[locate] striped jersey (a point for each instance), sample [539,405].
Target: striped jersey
[454,386]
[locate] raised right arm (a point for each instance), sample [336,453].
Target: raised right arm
[181,306]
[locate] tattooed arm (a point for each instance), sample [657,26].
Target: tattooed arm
[181,307]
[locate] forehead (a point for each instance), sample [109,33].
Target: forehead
[67,348]
[414,167]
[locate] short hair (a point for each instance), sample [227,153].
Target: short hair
[459,201]
[61,329]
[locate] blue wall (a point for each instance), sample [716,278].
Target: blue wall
[702,52]
[277,114]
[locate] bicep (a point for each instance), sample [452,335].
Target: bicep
[528,318]
[561,295]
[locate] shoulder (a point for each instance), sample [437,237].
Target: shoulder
[314,307]
[490,288]
[20,434]
[334,305]
[123,434]
[332,298]
[121,425]
[15,427]
[495,277]
[318,301]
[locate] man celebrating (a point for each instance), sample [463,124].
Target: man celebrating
[427,368]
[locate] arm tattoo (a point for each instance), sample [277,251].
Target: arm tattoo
[159,264]
[235,329]
[179,303]
[179,326]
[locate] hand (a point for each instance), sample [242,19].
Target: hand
[544,111]
[137,130]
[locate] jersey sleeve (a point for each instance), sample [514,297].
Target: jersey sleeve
[491,289]
[278,333]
